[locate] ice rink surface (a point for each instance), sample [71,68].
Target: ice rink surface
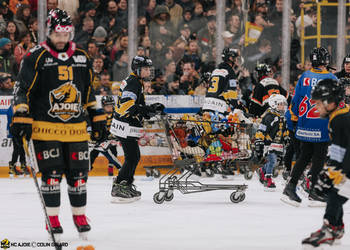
[204,221]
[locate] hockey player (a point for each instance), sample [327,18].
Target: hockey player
[345,72]
[18,150]
[311,130]
[264,89]
[127,124]
[345,82]
[273,134]
[222,92]
[334,179]
[107,146]
[54,87]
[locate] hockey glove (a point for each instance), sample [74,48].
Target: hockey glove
[21,126]
[157,108]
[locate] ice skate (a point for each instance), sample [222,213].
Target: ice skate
[290,196]
[324,236]
[57,229]
[136,193]
[269,185]
[83,227]
[25,170]
[13,171]
[339,233]
[121,193]
[316,200]
[261,175]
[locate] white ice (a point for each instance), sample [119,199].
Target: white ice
[204,221]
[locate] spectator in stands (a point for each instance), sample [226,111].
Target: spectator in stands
[257,53]
[206,36]
[227,37]
[6,87]
[149,9]
[120,47]
[92,49]
[99,36]
[193,54]
[83,35]
[12,33]
[169,67]
[22,18]
[157,53]
[120,67]
[189,78]
[172,86]
[4,11]
[185,33]
[160,27]
[186,18]
[122,14]
[175,11]
[7,60]
[90,11]
[107,17]
[311,30]
[33,30]
[198,20]
[97,65]
[234,26]
[23,48]
[14,5]
[51,5]
[115,88]
[105,82]
[71,6]
[147,88]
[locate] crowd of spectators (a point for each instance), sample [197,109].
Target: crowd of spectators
[178,35]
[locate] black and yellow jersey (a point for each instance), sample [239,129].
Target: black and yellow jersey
[130,102]
[261,93]
[339,150]
[222,90]
[272,128]
[56,87]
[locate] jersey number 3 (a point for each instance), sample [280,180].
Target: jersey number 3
[214,85]
[65,73]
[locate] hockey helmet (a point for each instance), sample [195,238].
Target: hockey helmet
[328,90]
[139,62]
[59,21]
[262,69]
[229,52]
[346,59]
[319,56]
[276,99]
[107,100]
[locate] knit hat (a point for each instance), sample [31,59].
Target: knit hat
[3,4]
[4,41]
[100,32]
[90,6]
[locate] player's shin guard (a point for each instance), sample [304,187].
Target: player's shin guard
[77,197]
[51,191]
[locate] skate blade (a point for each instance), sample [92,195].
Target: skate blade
[311,247]
[337,242]
[266,189]
[57,237]
[122,200]
[317,204]
[83,235]
[288,201]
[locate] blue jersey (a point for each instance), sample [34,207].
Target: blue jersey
[310,126]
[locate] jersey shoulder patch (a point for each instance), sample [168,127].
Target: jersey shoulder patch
[268,81]
[220,72]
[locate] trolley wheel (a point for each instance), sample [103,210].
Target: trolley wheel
[169,197]
[159,197]
[248,175]
[156,173]
[209,172]
[237,197]
[148,173]
[275,173]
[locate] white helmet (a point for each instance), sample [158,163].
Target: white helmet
[276,99]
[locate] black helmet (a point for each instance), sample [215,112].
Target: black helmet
[107,100]
[138,62]
[319,56]
[227,53]
[346,59]
[328,90]
[59,21]
[262,69]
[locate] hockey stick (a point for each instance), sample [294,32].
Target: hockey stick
[30,152]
